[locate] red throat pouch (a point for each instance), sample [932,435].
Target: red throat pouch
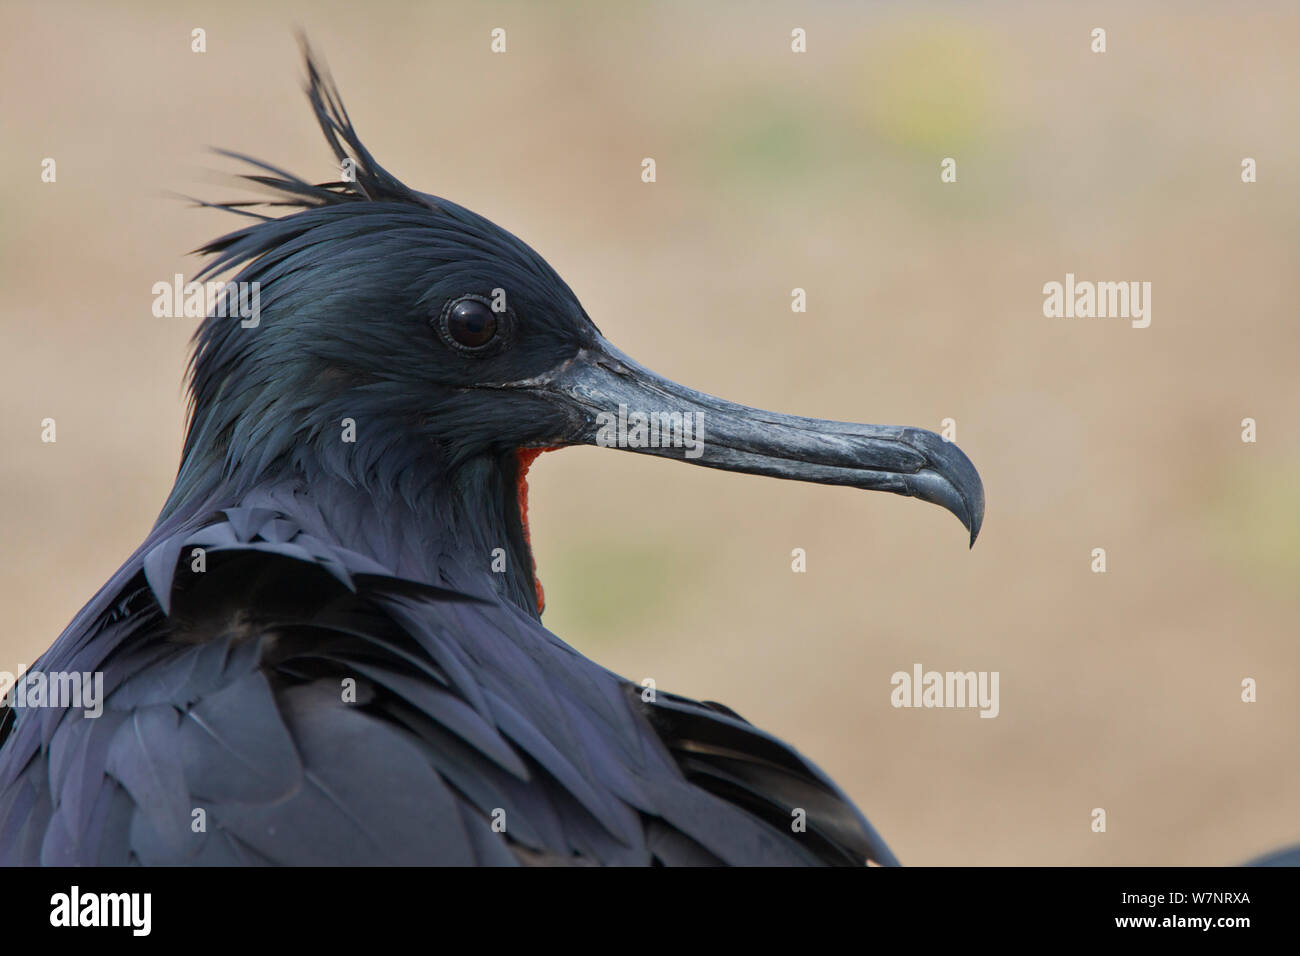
[525,458]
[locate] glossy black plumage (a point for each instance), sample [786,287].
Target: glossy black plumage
[474,736]
[465,706]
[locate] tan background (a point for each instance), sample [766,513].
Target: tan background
[1118,691]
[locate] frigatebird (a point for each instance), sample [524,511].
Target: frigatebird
[329,648]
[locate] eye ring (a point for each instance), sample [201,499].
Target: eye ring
[469,325]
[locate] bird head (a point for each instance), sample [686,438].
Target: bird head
[457,353]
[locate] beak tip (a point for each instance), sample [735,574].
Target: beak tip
[976,518]
[949,479]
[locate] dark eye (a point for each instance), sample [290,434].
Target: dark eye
[469,323]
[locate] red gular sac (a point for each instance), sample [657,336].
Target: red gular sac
[525,457]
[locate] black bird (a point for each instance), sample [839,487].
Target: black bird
[330,651]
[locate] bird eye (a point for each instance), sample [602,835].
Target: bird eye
[469,324]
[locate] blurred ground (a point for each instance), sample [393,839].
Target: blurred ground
[775,171]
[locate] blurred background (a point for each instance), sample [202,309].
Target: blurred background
[775,170]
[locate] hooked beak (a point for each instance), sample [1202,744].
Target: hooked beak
[612,401]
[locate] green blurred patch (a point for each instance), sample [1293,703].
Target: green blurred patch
[1256,523]
[765,138]
[594,588]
